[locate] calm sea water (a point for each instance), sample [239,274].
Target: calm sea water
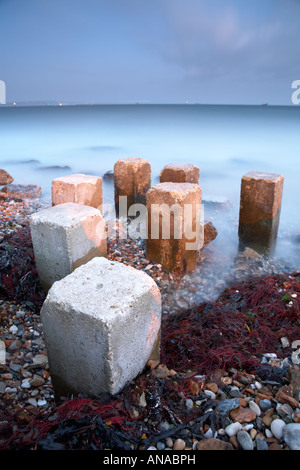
[224,141]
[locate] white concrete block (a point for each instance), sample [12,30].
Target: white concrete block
[101,325]
[64,237]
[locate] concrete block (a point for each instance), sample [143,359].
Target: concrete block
[180,173]
[132,178]
[78,188]
[64,237]
[101,325]
[174,225]
[260,206]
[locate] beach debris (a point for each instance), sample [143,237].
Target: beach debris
[132,180]
[19,192]
[78,188]
[180,173]
[260,205]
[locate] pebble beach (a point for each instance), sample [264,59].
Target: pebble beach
[227,409]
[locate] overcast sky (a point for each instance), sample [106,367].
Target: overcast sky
[158,51]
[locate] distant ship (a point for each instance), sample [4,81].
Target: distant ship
[265,104]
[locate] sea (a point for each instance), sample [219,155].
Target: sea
[39,143]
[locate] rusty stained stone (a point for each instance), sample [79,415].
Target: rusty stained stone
[175,249]
[242,415]
[132,178]
[79,189]
[5,178]
[260,205]
[180,173]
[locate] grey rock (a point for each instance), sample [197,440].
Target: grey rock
[265,404]
[277,426]
[261,444]
[225,406]
[245,441]
[291,435]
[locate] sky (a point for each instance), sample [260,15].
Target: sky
[158,51]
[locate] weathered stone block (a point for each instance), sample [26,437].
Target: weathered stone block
[260,205]
[78,188]
[64,237]
[101,325]
[132,178]
[174,225]
[180,173]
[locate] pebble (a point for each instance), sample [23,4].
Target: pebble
[254,407]
[277,426]
[232,429]
[265,404]
[179,444]
[245,441]
[261,444]
[291,435]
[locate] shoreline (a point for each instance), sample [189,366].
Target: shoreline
[27,399]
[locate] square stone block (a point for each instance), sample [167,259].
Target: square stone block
[175,234]
[64,237]
[101,325]
[132,178]
[78,188]
[260,206]
[180,173]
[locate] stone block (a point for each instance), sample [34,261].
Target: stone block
[101,325]
[180,173]
[260,206]
[78,188]
[132,178]
[174,225]
[64,237]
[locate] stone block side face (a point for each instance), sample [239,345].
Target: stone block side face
[78,188]
[132,178]
[260,206]
[101,324]
[180,173]
[65,237]
[175,253]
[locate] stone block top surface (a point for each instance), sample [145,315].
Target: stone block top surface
[103,289]
[257,175]
[77,178]
[67,215]
[180,166]
[176,191]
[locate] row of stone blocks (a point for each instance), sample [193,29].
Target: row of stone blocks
[102,321]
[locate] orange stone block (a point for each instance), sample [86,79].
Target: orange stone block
[78,188]
[174,226]
[132,178]
[180,173]
[260,205]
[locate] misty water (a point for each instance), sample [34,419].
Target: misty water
[38,144]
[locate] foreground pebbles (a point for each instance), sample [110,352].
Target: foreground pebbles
[230,410]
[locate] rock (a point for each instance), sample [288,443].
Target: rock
[37,381]
[18,192]
[261,444]
[232,429]
[277,426]
[5,178]
[245,441]
[210,233]
[265,404]
[40,361]
[285,395]
[254,407]
[213,444]
[179,444]
[225,406]
[242,415]
[291,435]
